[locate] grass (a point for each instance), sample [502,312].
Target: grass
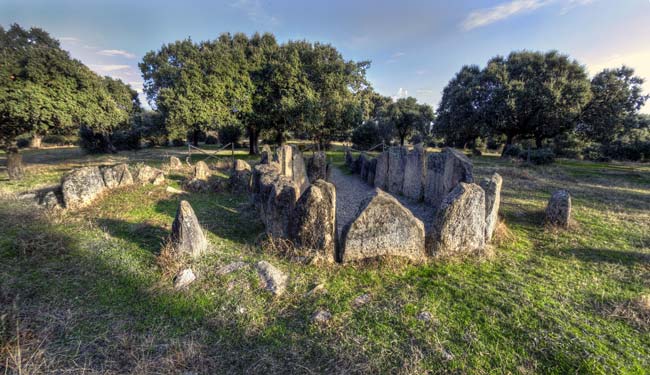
[84,291]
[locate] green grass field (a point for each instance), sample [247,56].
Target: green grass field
[85,292]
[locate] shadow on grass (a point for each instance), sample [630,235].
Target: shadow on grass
[590,254]
[144,235]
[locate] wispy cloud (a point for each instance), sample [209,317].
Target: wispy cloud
[108,68]
[484,17]
[255,11]
[394,57]
[68,39]
[401,93]
[116,52]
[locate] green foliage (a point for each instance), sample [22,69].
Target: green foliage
[230,134]
[366,136]
[406,116]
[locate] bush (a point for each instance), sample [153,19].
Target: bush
[540,156]
[366,136]
[211,140]
[178,142]
[22,142]
[230,134]
[513,151]
[94,143]
[60,140]
[126,140]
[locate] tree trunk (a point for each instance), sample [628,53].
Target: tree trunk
[538,142]
[401,140]
[195,138]
[36,141]
[279,138]
[253,136]
[15,168]
[509,139]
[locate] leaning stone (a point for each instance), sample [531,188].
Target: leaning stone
[414,171]
[273,280]
[317,167]
[201,171]
[396,165]
[381,171]
[321,317]
[184,278]
[459,225]
[558,210]
[232,267]
[445,171]
[117,176]
[175,163]
[383,227]
[187,235]
[492,188]
[313,224]
[279,206]
[81,186]
[266,155]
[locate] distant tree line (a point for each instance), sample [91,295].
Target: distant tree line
[546,100]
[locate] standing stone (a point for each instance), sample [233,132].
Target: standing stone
[444,171]
[187,235]
[117,176]
[372,167]
[279,206]
[273,280]
[299,171]
[81,186]
[492,188]
[363,166]
[381,171]
[240,176]
[383,227]
[414,172]
[175,163]
[263,176]
[313,226]
[459,225]
[201,171]
[266,155]
[349,159]
[284,157]
[558,210]
[396,166]
[317,167]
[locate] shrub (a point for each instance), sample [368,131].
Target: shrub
[513,151]
[211,140]
[60,140]
[22,142]
[366,136]
[178,142]
[229,134]
[540,156]
[126,140]
[98,143]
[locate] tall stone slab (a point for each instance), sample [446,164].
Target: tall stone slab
[381,171]
[372,168]
[266,155]
[492,188]
[317,167]
[396,166]
[187,235]
[363,166]
[284,157]
[414,172]
[201,171]
[292,165]
[383,227]
[279,206]
[459,225]
[445,171]
[313,226]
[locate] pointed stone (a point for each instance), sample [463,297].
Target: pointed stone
[175,163]
[187,235]
[184,278]
[492,188]
[201,171]
[317,167]
[266,155]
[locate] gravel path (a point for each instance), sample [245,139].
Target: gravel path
[351,191]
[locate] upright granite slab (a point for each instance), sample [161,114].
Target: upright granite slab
[381,171]
[317,167]
[414,173]
[382,227]
[372,168]
[492,188]
[396,166]
[187,235]
[292,165]
[445,171]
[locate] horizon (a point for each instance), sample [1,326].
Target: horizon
[415,47]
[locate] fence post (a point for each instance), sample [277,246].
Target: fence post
[232,152]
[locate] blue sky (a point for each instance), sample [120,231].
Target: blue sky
[415,46]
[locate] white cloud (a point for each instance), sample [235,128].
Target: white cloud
[104,69]
[401,93]
[68,39]
[255,11]
[484,17]
[116,52]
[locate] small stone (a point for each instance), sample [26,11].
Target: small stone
[317,167]
[361,300]
[425,316]
[184,278]
[159,179]
[558,210]
[50,201]
[145,174]
[240,177]
[173,190]
[27,196]
[232,267]
[175,163]
[187,235]
[273,280]
[318,289]
[321,317]
[201,171]
[266,155]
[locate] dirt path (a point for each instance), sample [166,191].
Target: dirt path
[351,191]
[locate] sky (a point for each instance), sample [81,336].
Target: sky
[415,47]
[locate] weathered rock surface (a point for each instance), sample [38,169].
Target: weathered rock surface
[231,267]
[361,300]
[321,317]
[145,174]
[558,209]
[444,171]
[383,227]
[273,280]
[117,176]
[266,154]
[459,225]
[381,171]
[372,167]
[187,235]
[201,171]
[173,190]
[364,165]
[81,186]
[184,278]
[277,212]
[349,159]
[313,226]
[240,177]
[317,167]
[50,201]
[492,188]
[175,163]
[414,172]
[396,166]
[261,182]
[292,165]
